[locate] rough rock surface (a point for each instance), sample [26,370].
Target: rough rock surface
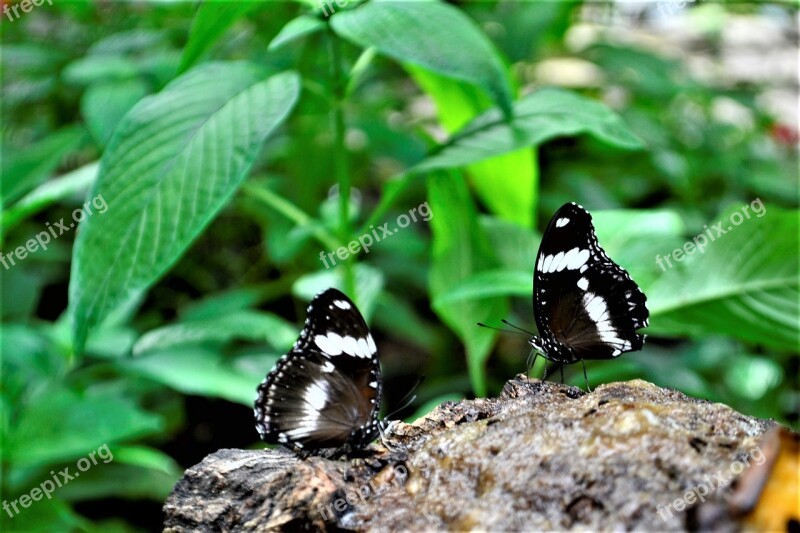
[542,456]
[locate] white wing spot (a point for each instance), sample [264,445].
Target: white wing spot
[577,258]
[316,396]
[583,283]
[363,348]
[561,222]
[330,344]
[341,304]
[350,346]
[598,312]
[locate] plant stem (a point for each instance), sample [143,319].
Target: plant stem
[293,213]
[340,157]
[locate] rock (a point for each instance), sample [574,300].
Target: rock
[542,456]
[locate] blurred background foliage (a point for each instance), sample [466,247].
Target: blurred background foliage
[234,142]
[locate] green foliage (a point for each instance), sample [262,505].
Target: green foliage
[460,249]
[226,185]
[432,35]
[166,173]
[744,286]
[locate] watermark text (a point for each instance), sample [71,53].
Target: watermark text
[57,229]
[48,486]
[365,241]
[710,484]
[711,234]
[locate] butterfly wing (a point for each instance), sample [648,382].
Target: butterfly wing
[586,306]
[324,393]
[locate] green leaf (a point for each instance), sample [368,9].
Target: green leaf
[490,284]
[632,238]
[196,370]
[212,20]
[61,425]
[173,163]
[247,325]
[295,29]
[25,169]
[146,457]
[515,246]
[745,283]
[74,183]
[100,68]
[129,42]
[104,104]
[49,515]
[460,250]
[507,183]
[121,481]
[432,35]
[539,117]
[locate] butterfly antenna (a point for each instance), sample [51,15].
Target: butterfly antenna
[481,324]
[507,323]
[408,399]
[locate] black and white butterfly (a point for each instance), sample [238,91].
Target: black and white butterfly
[586,306]
[326,392]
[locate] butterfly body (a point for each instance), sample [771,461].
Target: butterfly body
[586,306]
[326,392]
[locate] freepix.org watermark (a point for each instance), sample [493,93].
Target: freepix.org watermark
[711,483]
[42,238]
[711,234]
[399,475]
[48,486]
[26,6]
[366,241]
[327,6]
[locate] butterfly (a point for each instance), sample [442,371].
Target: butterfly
[586,306]
[326,392]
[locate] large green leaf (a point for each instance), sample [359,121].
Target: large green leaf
[506,183]
[120,481]
[172,164]
[744,284]
[432,35]
[490,284]
[62,425]
[538,117]
[295,29]
[212,20]
[248,325]
[460,250]
[196,370]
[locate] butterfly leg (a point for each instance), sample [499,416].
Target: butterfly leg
[299,451]
[585,377]
[385,428]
